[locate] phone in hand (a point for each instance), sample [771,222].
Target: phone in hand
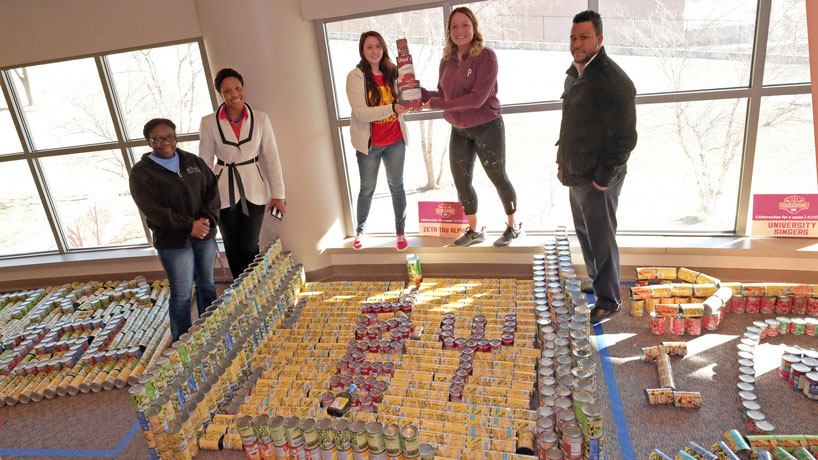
[275,213]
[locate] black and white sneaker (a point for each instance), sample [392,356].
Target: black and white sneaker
[510,234]
[471,237]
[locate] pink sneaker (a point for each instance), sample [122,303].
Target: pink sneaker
[357,244]
[402,244]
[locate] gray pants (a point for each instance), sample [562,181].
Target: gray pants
[594,213]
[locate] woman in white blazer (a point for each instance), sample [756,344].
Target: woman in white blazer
[242,143]
[377,130]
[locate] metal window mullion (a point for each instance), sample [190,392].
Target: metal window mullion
[27,145]
[753,111]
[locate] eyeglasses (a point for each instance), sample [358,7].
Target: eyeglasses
[159,140]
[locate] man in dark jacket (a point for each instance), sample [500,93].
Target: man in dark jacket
[597,135]
[179,196]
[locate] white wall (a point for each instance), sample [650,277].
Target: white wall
[276,53]
[323,9]
[41,30]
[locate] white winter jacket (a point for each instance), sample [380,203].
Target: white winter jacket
[360,123]
[261,180]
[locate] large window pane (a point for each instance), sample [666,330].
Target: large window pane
[63,104]
[681,45]
[530,164]
[684,173]
[90,192]
[422,28]
[9,141]
[785,149]
[167,82]
[25,227]
[787,47]
[530,38]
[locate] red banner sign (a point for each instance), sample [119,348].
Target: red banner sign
[441,218]
[793,215]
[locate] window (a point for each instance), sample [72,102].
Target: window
[90,192]
[167,82]
[787,47]
[683,175]
[691,63]
[63,109]
[423,29]
[63,104]
[530,38]
[785,149]
[21,206]
[9,142]
[681,46]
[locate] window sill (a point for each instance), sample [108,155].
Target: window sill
[729,257]
[756,259]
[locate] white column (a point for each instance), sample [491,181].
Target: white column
[277,54]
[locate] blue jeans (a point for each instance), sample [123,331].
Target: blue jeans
[594,213]
[368,165]
[183,266]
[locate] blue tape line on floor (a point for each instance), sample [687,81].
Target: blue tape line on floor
[76,453]
[124,442]
[625,443]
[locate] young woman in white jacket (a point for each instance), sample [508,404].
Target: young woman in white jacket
[243,145]
[378,131]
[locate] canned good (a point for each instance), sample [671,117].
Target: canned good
[244,425]
[811,385]
[292,429]
[391,436]
[358,435]
[554,454]
[326,437]
[410,441]
[591,421]
[309,432]
[572,443]
[275,428]
[427,452]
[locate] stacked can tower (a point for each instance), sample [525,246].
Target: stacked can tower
[204,373]
[569,422]
[79,338]
[691,302]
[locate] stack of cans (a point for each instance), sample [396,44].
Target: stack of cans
[569,423]
[208,370]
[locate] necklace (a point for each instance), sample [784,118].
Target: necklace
[237,120]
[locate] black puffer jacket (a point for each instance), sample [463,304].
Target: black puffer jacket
[598,130]
[172,202]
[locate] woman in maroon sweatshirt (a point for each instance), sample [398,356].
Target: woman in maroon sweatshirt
[467,94]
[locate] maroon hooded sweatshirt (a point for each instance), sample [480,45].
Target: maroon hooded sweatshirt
[467,90]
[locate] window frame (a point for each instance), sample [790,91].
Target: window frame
[122,144]
[753,93]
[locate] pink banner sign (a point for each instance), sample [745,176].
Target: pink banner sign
[441,218]
[785,215]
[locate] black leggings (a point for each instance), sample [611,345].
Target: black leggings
[488,142]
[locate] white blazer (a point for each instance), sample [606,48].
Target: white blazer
[262,180]
[360,122]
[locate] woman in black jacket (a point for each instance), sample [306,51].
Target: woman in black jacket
[179,196]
